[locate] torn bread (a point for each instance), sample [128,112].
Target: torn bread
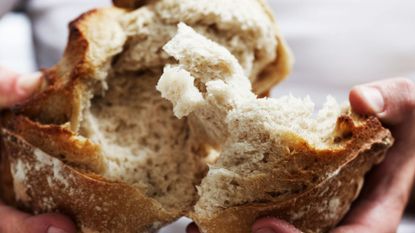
[99,143]
[277,159]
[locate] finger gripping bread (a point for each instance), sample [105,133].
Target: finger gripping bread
[100,144]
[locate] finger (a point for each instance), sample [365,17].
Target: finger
[14,88]
[273,225]
[192,228]
[391,100]
[14,221]
[387,191]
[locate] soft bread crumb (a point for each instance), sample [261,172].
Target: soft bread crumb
[221,79]
[144,144]
[197,54]
[176,85]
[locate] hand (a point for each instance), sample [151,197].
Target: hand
[388,186]
[15,88]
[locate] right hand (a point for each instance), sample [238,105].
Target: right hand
[15,88]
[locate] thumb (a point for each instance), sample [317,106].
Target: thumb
[14,221]
[14,87]
[391,100]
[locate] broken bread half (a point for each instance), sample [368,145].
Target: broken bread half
[277,158]
[98,142]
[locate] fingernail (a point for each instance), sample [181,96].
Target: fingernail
[28,83]
[373,98]
[53,229]
[265,230]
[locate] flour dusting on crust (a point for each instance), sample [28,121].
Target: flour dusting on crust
[45,160]
[18,171]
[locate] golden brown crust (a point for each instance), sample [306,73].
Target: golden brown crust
[60,99]
[320,207]
[93,202]
[310,211]
[68,147]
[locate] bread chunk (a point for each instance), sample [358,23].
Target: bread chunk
[275,153]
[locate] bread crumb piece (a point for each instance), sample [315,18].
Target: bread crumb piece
[177,86]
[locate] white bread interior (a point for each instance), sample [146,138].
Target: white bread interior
[143,143]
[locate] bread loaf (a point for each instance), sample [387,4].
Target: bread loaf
[102,145]
[98,142]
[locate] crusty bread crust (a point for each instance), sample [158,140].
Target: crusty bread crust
[307,210]
[94,203]
[62,95]
[68,147]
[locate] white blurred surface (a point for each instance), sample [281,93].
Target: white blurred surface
[177,227]
[407,225]
[340,43]
[16,47]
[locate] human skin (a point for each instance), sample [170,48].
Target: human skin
[15,88]
[388,186]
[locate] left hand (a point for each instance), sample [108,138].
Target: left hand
[14,88]
[388,185]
